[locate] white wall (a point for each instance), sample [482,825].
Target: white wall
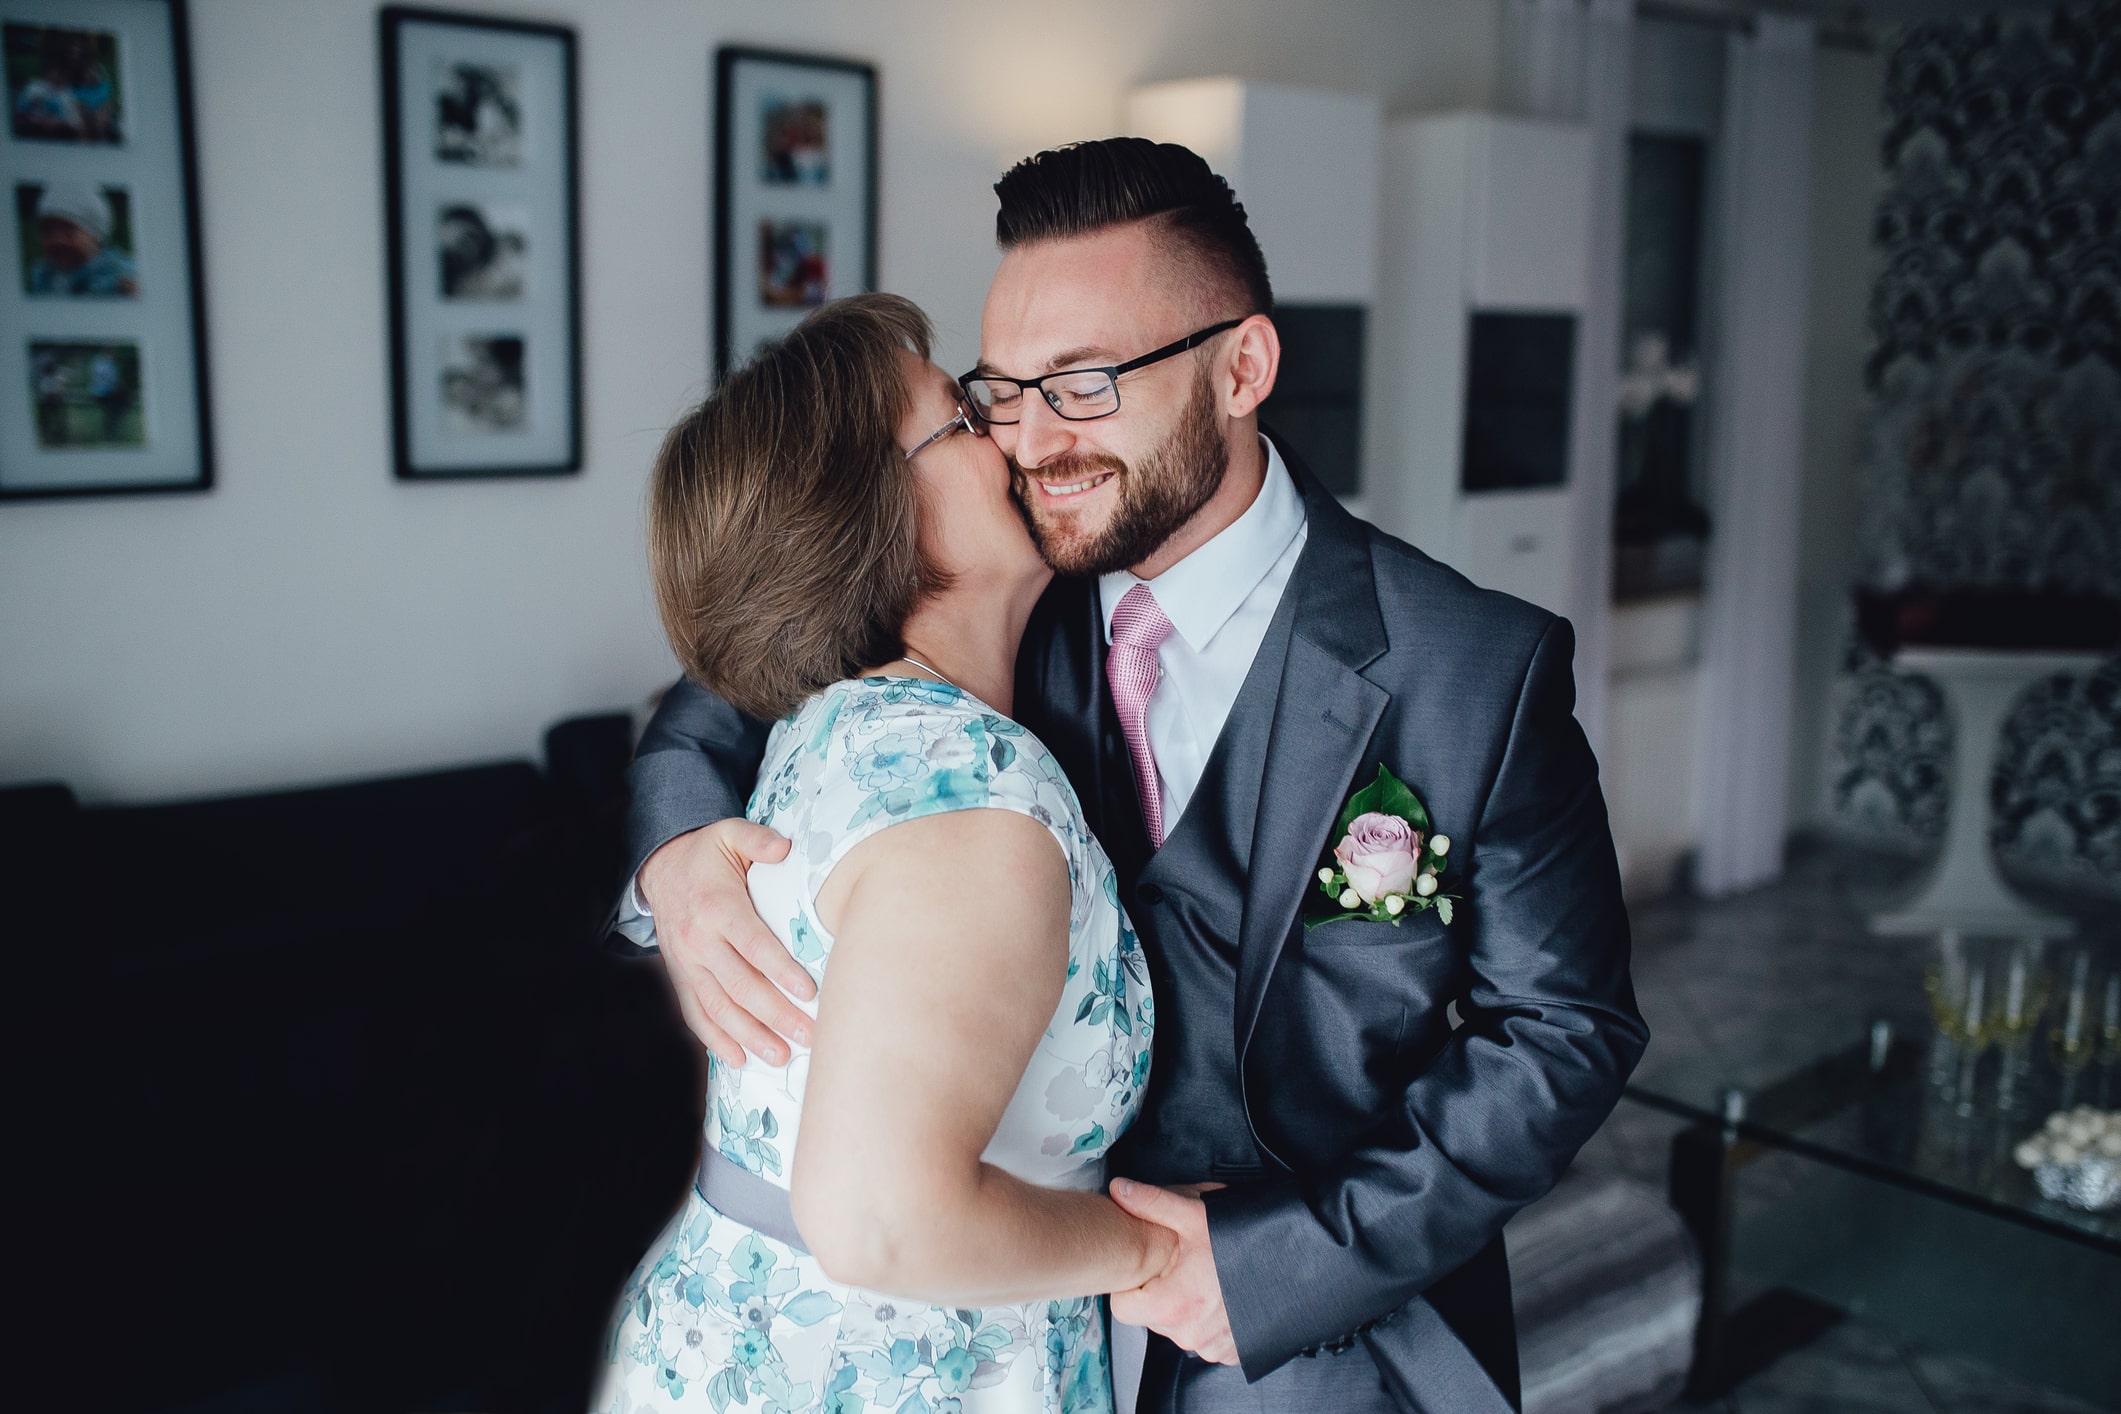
[311,618]
[1847,119]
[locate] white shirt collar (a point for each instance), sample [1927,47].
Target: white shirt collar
[1200,592]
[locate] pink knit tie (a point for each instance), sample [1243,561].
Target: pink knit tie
[1138,630]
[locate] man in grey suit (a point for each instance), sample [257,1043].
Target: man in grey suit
[1341,1118]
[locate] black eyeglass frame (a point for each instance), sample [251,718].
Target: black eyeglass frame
[1111,371]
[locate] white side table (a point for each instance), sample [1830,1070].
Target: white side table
[1963,890]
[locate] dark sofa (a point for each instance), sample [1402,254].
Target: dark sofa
[330,1099]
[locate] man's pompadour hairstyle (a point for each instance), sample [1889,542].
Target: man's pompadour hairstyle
[1088,186]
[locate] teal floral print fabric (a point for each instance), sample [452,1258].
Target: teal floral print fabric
[718,1316]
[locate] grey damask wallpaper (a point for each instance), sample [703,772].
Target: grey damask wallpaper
[1994,458]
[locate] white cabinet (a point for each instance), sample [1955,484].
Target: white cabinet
[1519,541]
[1480,214]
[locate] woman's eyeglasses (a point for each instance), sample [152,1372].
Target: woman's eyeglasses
[964,421]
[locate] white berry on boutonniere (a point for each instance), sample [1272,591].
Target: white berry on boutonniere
[1387,862]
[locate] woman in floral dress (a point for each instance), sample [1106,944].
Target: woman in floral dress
[909,1215]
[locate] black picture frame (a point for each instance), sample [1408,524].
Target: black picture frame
[189,434]
[740,319]
[539,442]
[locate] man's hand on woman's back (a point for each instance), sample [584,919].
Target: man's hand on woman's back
[731,974]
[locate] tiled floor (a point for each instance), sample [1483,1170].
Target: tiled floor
[1740,991]
[1865,1368]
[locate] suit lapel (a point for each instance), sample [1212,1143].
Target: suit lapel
[1324,717]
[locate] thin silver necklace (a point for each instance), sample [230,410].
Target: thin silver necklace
[909,658]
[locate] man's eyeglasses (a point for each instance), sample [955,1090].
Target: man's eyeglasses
[963,422]
[1077,394]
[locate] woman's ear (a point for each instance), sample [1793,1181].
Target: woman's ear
[1254,360]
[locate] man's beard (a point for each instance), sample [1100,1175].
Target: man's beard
[1155,499]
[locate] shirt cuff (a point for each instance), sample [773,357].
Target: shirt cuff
[634,922]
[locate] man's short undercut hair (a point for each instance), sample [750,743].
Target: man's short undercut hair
[1086,187]
[783,519]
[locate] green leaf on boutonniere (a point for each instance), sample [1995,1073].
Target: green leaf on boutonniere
[1387,795]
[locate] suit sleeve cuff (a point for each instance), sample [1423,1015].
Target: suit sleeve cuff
[1293,1282]
[1253,1234]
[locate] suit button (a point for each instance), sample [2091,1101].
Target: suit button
[1149,894]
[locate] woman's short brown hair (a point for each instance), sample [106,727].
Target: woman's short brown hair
[783,528]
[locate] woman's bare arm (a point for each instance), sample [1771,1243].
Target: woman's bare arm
[950,952]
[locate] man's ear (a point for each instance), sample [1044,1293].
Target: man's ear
[1252,364]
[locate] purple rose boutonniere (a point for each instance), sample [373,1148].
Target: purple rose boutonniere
[1388,863]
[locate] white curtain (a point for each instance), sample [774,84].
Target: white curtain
[1543,71]
[1756,392]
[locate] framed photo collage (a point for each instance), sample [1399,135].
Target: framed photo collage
[103,376]
[104,384]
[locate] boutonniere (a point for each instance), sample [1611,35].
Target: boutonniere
[1388,863]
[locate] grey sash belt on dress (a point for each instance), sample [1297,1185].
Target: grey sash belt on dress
[742,1196]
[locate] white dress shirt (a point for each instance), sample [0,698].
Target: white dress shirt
[1220,600]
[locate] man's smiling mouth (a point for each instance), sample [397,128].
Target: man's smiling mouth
[1075,488]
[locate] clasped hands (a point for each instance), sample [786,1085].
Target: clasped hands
[1184,1302]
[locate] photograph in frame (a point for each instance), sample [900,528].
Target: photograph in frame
[62,84]
[794,265]
[480,156]
[793,148]
[478,114]
[482,384]
[795,192]
[102,309]
[77,240]
[482,250]
[87,394]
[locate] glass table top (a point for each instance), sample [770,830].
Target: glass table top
[1929,1066]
